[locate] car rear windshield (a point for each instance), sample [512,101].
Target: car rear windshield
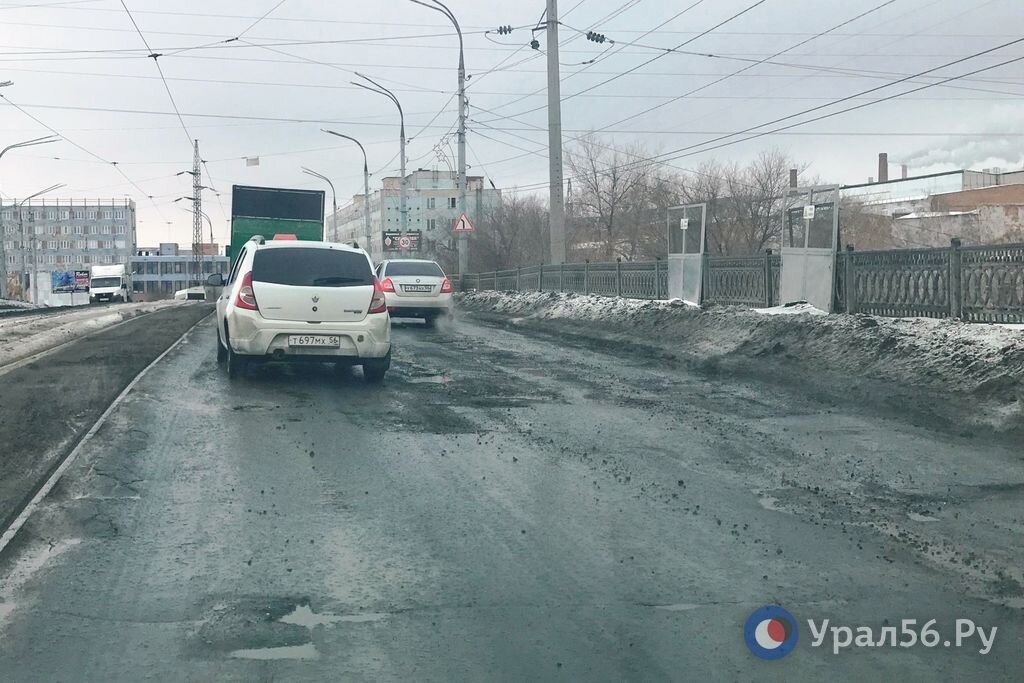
[414,268]
[311,267]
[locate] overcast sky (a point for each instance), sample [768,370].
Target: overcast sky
[81,68]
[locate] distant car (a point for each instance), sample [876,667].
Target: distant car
[415,289]
[287,300]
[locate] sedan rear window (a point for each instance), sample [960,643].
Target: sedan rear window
[427,268]
[311,267]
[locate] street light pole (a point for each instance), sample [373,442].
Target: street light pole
[21,229]
[334,199]
[366,185]
[381,90]
[27,143]
[463,237]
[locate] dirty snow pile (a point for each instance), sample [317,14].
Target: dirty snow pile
[924,358]
[11,304]
[24,336]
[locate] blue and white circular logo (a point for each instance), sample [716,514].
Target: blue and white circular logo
[771,632]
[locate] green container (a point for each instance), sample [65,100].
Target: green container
[270,211]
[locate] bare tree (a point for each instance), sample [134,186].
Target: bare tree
[745,204]
[610,191]
[515,233]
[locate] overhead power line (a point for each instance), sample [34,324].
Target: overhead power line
[79,147]
[724,141]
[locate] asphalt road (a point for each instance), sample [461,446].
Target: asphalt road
[505,507]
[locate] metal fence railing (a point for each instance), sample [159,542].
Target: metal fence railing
[975,284]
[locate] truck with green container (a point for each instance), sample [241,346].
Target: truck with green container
[271,211]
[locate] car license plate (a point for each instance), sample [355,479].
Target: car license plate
[418,288]
[313,340]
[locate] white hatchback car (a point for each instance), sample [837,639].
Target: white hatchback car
[415,288]
[287,300]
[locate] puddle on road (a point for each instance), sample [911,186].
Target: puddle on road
[303,615]
[307,651]
[5,611]
[921,518]
[433,379]
[680,607]
[770,503]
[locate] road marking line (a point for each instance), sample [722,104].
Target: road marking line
[23,517]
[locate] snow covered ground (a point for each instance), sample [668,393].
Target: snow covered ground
[927,361]
[25,335]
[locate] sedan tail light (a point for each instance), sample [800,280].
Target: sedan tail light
[446,286]
[387,285]
[377,303]
[246,297]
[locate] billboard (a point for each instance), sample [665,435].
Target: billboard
[69,281]
[398,241]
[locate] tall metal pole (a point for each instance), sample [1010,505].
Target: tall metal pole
[381,90]
[197,221]
[5,150]
[557,199]
[21,229]
[334,200]
[463,241]
[366,184]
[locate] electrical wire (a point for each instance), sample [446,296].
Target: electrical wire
[76,145]
[803,42]
[655,58]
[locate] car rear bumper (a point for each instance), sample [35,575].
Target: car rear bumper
[253,335]
[418,305]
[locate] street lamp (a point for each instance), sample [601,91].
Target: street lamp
[334,196]
[381,90]
[438,6]
[21,229]
[366,183]
[17,145]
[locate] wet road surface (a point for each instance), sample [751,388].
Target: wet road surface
[503,507]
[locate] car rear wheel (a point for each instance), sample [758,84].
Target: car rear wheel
[374,370]
[222,353]
[237,364]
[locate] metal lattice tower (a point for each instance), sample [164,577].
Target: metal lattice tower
[197,217]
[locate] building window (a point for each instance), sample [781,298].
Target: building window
[119,214]
[431,224]
[431,202]
[452,202]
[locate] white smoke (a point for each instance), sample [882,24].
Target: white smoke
[1000,143]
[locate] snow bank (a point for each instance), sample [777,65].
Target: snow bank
[24,336]
[943,366]
[791,309]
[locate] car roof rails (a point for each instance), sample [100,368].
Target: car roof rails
[258,239]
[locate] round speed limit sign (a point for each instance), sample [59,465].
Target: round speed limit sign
[404,243]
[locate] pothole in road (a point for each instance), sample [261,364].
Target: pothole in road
[432,379]
[267,629]
[306,651]
[921,518]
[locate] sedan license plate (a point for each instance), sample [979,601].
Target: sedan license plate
[418,288]
[313,340]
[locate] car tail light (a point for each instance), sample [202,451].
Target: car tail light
[446,286]
[387,285]
[377,303]
[246,297]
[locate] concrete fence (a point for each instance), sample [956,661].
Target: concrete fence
[975,284]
